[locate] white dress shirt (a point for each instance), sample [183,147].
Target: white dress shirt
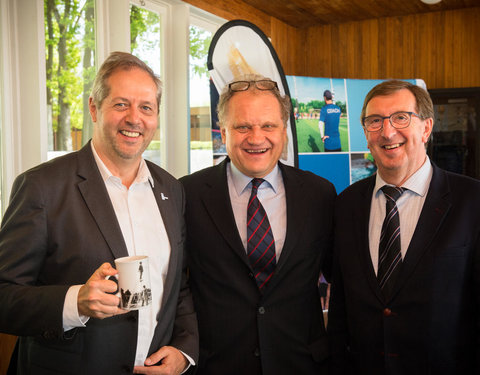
[271,194]
[409,206]
[144,233]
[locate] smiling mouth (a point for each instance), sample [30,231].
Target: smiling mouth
[259,151]
[130,134]
[391,147]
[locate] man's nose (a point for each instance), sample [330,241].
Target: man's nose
[255,135]
[388,130]
[133,115]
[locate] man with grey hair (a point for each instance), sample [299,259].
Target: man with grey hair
[258,235]
[68,220]
[406,280]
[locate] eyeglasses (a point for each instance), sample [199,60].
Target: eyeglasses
[263,84]
[398,120]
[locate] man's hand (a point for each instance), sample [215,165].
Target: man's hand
[173,362]
[94,299]
[325,137]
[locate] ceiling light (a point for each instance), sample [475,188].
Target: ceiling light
[430,1]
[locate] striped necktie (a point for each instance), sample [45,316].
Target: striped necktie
[389,251]
[260,241]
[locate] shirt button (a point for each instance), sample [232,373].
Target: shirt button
[261,310]
[387,312]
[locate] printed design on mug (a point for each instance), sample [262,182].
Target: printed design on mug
[134,282]
[136,300]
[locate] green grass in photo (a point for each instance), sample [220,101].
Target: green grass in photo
[308,135]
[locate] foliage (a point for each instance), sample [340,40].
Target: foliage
[143,23]
[70,60]
[65,34]
[199,44]
[316,105]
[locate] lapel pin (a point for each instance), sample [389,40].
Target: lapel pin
[163,197]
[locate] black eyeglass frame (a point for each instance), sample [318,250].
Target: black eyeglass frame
[256,83]
[396,126]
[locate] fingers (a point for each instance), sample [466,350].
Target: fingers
[169,359]
[94,299]
[157,356]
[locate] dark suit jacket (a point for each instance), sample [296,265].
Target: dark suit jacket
[59,228]
[431,323]
[241,330]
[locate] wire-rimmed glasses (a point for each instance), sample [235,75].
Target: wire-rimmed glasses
[263,84]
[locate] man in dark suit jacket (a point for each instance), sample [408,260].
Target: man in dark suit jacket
[60,236]
[246,325]
[427,320]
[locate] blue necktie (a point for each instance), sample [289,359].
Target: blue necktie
[260,241]
[389,251]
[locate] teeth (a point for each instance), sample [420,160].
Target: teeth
[130,134]
[257,151]
[389,147]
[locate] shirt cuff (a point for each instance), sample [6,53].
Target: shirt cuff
[71,318]
[191,362]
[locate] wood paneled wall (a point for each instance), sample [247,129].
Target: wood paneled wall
[442,48]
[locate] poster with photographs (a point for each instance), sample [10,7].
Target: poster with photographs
[350,160]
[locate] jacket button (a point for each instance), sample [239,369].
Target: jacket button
[256,352]
[127,369]
[387,312]
[261,310]
[250,275]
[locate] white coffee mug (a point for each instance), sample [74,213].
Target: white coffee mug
[134,282]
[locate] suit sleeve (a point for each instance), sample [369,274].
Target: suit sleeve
[476,276]
[185,330]
[337,320]
[26,306]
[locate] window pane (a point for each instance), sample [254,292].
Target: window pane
[201,155]
[1,153]
[145,26]
[70,66]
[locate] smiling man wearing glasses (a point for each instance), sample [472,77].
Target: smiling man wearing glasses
[258,232]
[405,293]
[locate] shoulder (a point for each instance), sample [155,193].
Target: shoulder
[161,175]
[359,187]
[209,174]
[52,171]
[307,178]
[461,184]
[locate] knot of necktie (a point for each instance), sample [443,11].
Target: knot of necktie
[256,182]
[392,192]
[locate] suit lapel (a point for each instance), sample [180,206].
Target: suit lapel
[171,220]
[434,211]
[95,194]
[216,198]
[297,206]
[361,214]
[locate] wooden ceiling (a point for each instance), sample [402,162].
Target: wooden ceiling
[306,13]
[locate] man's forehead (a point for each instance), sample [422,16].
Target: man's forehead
[401,100]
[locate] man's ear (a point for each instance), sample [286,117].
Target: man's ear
[224,136]
[93,109]
[428,128]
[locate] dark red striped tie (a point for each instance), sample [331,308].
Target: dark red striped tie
[260,242]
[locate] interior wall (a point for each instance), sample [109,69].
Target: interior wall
[439,47]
